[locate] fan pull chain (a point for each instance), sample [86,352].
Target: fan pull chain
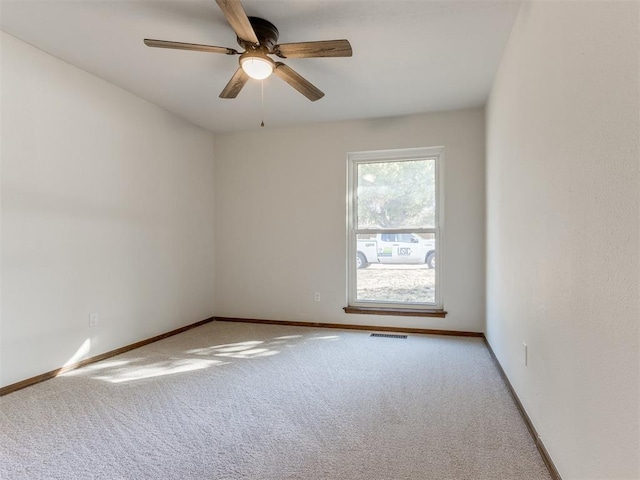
[262,91]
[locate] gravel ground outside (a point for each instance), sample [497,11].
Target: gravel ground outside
[396,283]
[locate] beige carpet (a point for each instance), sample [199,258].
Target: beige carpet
[246,401]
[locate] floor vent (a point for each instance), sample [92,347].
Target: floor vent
[388,335]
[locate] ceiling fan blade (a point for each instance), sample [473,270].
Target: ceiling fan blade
[326,48]
[298,82]
[238,20]
[235,84]
[188,46]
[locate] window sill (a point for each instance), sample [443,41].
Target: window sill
[398,312]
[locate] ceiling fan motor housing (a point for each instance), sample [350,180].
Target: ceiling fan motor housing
[266,32]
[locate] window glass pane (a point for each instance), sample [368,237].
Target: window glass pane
[398,271]
[399,194]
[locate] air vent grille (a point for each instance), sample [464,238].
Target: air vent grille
[388,335]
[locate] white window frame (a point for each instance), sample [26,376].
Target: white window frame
[383,156]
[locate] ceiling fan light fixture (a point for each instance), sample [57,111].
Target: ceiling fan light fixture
[259,38]
[257,67]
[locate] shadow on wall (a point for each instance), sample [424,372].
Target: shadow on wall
[128,369]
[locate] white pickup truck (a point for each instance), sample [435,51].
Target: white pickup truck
[395,248]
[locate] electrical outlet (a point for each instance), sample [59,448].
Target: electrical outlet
[93,319]
[316,296]
[525,349]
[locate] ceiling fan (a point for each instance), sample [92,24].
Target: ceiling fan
[258,38]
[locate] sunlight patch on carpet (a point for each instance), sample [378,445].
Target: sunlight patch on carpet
[158,369]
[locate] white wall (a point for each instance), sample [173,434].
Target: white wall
[280,217]
[562,230]
[107,207]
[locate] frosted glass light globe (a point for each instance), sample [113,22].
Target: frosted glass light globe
[256,67]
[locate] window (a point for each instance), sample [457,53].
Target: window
[395,230]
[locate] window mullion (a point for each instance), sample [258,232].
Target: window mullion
[373,231]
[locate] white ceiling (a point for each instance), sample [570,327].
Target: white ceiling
[408,56]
